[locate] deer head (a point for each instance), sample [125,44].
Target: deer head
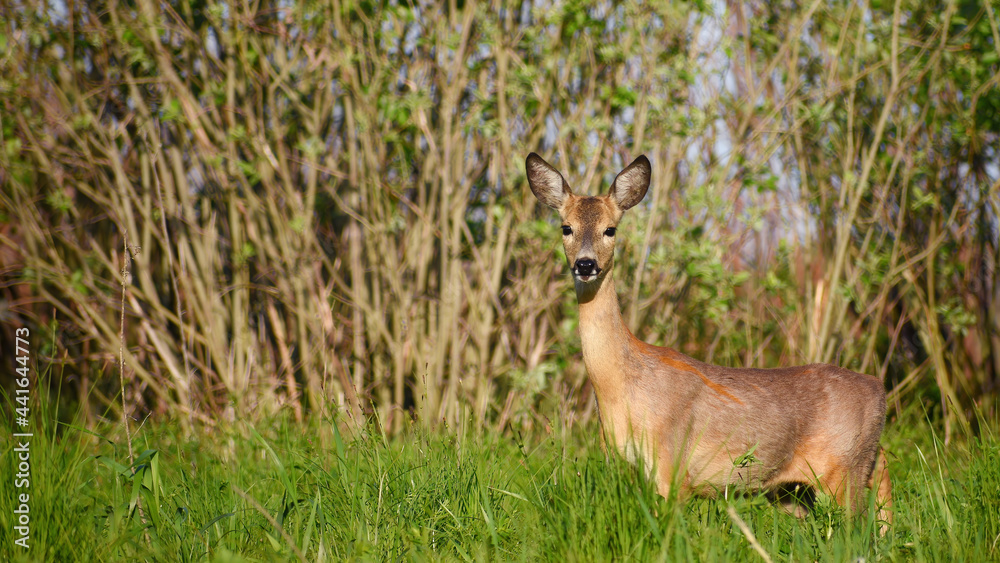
[588,223]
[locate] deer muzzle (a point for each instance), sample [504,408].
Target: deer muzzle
[586,268]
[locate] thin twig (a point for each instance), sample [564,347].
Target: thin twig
[748,534]
[126,280]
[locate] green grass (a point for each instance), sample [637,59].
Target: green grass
[280,490]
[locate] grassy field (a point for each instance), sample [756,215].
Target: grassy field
[269,214]
[316,491]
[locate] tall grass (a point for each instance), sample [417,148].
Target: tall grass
[328,211]
[330,491]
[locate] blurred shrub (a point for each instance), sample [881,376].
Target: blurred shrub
[326,209]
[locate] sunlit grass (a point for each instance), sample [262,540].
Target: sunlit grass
[320,492]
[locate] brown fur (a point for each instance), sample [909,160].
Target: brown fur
[817,424]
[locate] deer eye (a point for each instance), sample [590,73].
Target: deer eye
[609,232]
[567,230]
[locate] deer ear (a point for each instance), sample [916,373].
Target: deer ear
[631,184]
[546,182]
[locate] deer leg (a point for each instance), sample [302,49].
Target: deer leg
[883,494]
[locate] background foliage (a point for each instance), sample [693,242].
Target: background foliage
[325,206]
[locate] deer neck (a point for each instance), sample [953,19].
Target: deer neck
[605,340]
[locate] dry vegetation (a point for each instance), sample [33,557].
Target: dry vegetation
[326,206]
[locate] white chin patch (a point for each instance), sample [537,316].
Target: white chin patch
[585,279]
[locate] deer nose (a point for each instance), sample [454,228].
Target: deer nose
[585,267]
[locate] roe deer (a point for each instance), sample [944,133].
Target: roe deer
[698,424]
